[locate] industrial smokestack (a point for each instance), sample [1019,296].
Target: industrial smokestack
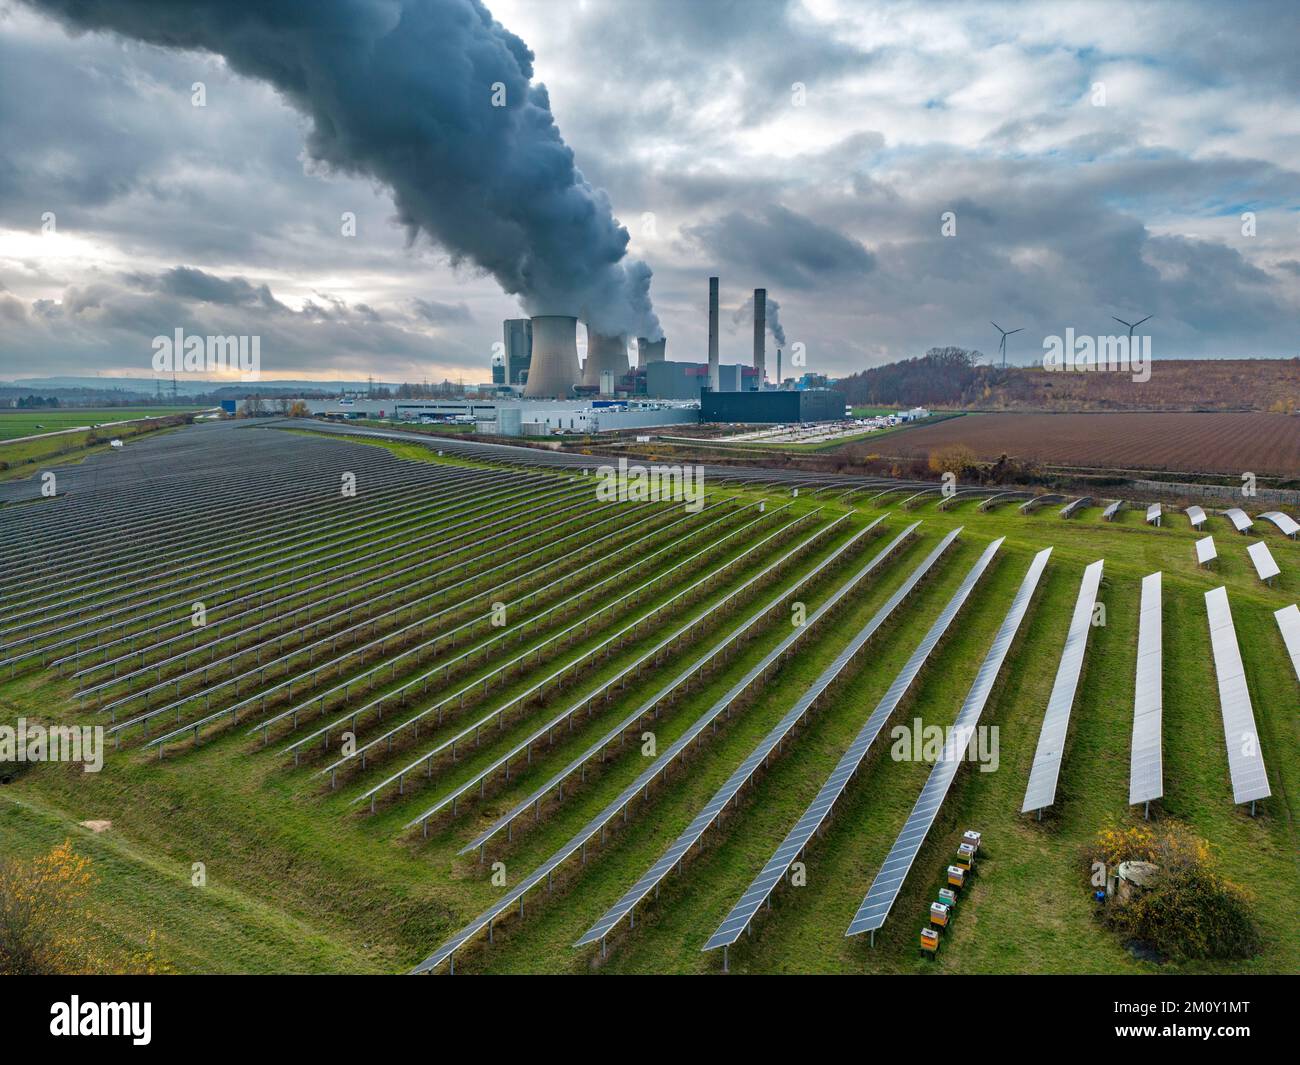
[648,351]
[760,333]
[778,367]
[605,354]
[713,334]
[553,370]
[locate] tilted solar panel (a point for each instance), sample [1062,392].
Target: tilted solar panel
[1239,518]
[1146,777]
[1263,560]
[1245,761]
[885,888]
[1283,521]
[1205,551]
[1043,775]
[1153,514]
[1196,515]
[1288,620]
[1110,512]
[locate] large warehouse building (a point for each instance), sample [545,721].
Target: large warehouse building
[807,405]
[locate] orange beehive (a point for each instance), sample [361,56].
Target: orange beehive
[929,940]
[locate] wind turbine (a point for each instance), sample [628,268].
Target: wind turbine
[1132,326]
[1002,344]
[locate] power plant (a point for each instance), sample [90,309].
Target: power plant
[541,362]
[553,371]
[605,355]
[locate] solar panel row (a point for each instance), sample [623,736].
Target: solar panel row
[820,808]
[1196,515]
[888,883]
[1114,508]
[1245,761]
[1146,777]
[1046,769]
[712,810]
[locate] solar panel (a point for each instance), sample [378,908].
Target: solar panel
[1288,620]
[1153,514]
[1146,779]
[1283,521]
[1043,775]
[820,808]
[1074,505]
[1196,515]
[641,784]
[713,808]
[1265,565]
[889,880]
[1110,512]
[1205,551]
[1239,518]
[1245,762]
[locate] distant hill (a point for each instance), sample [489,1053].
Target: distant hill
[946,377]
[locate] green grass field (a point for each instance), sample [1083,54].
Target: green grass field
[301,880]
[17,423]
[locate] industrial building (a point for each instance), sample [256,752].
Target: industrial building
[518,353]
[808,405]
[689,380]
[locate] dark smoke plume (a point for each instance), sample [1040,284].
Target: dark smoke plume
[402,92]
[745,313]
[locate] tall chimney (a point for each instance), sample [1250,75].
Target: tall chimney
[553,369]
[778,367]
[713,334]
[760,333]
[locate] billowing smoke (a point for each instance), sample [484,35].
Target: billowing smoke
[434,99]
[745,314]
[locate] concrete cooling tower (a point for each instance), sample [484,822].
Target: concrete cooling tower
[648,351]
[605,354]
[553,369]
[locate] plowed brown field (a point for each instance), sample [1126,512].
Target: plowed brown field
[1228,443]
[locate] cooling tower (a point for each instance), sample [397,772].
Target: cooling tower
[760,333]
[713,334]
[648,351]
[553,369]
[605,354]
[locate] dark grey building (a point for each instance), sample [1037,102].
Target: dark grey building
[519,349]
[810,405]
[687,380]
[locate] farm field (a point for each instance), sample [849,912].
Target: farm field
[17,423]
[1219,443]
[467,650]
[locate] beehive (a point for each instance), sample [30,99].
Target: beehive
[929,940]
[972,837]
[956,875]
[939,914]
[948,897]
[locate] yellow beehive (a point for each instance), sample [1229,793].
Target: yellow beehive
[956,875]
[939,914]
[929,940]
[965,856]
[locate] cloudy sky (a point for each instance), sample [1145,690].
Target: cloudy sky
[1097,160]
